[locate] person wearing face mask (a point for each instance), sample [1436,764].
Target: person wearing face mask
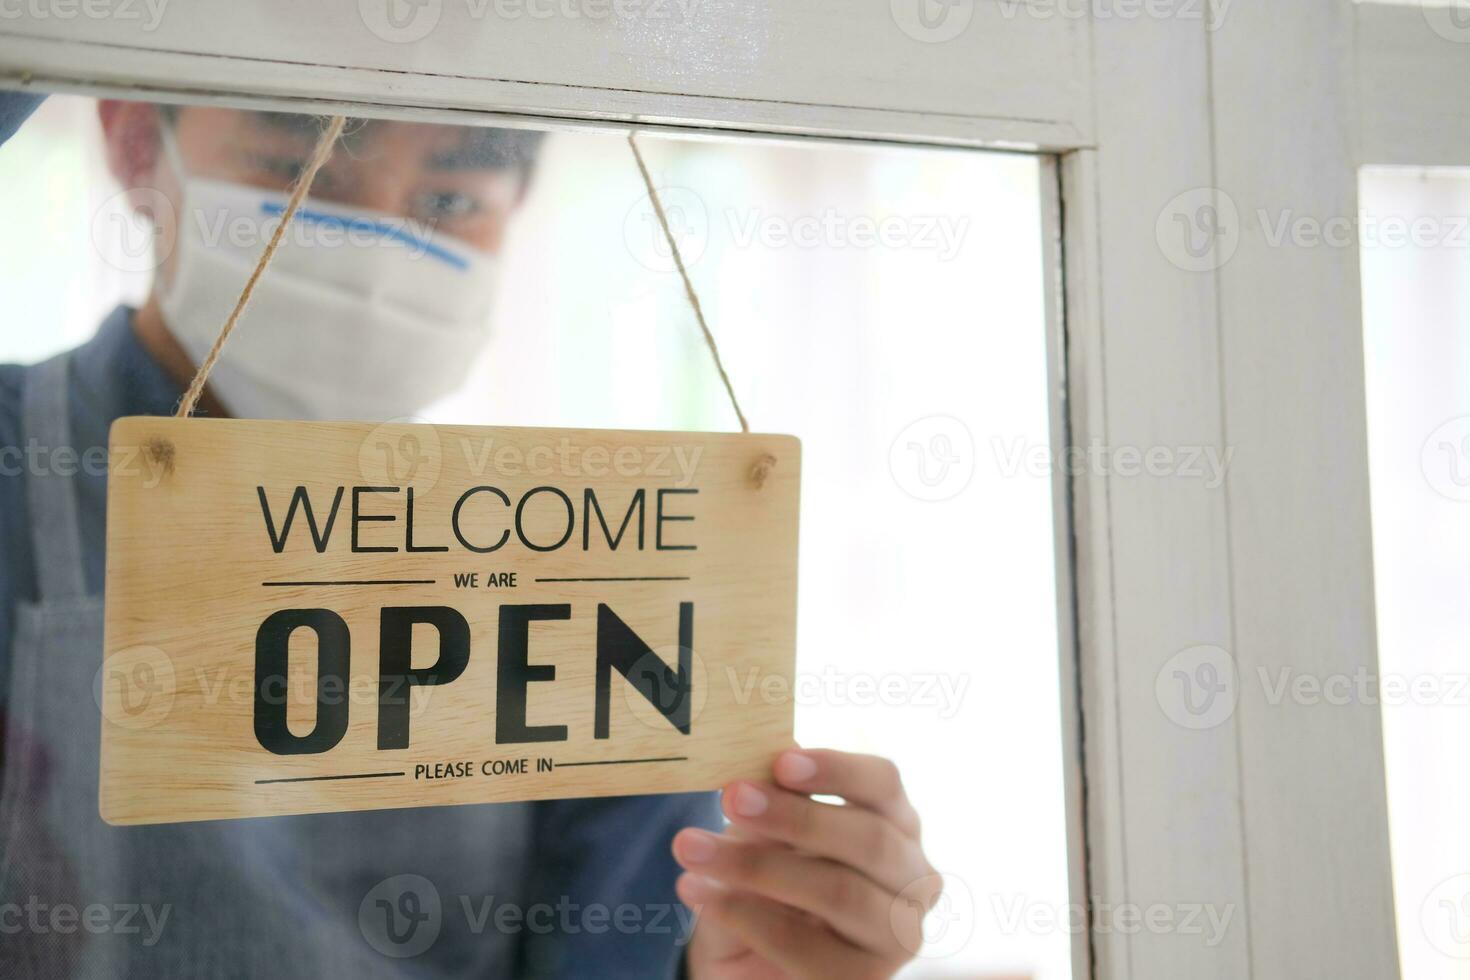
[375,305]
[393,261]
[398,309]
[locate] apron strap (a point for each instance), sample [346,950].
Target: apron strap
[56,542]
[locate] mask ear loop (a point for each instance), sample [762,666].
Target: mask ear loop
[169,144]
[319,157]
[763,465]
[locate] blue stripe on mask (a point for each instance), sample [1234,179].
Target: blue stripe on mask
[367,224]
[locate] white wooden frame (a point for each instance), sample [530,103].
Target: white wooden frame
[1276,813]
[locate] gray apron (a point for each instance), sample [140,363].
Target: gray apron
[397,893]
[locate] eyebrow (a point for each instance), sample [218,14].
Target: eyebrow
[289,122]
[485,148]
[479,148]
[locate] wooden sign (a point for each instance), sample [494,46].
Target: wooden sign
[315,617]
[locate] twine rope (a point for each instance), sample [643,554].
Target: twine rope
[709,338]
[319,157]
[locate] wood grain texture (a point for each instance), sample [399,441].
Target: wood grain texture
[189,556]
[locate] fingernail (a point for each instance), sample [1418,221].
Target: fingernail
[697,847]
[795,767]
[749,801]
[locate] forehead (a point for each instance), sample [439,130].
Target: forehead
[441,147]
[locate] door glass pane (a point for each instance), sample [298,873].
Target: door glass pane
[1416,310]
[884,304]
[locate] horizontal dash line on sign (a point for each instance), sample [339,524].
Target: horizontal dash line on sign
[622,578]
[364,581]
[313,779]
[622,762]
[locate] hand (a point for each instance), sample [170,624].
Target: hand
[797,888]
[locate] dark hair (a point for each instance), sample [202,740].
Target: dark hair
[484,146]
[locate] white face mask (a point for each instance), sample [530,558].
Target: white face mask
[360,315]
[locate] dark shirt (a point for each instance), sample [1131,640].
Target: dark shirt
[607,852]
[111,376]
[15,108]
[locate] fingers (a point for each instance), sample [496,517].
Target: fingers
[868,781]
[847,900]
[846,834]
[782,935]
[815,889]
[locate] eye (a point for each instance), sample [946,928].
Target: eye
[446,204]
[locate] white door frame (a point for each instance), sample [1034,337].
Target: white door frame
[1274,812]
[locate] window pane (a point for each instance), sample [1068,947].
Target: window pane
[1416,312]
[884,304]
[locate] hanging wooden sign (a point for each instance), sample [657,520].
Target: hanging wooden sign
[316,617]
